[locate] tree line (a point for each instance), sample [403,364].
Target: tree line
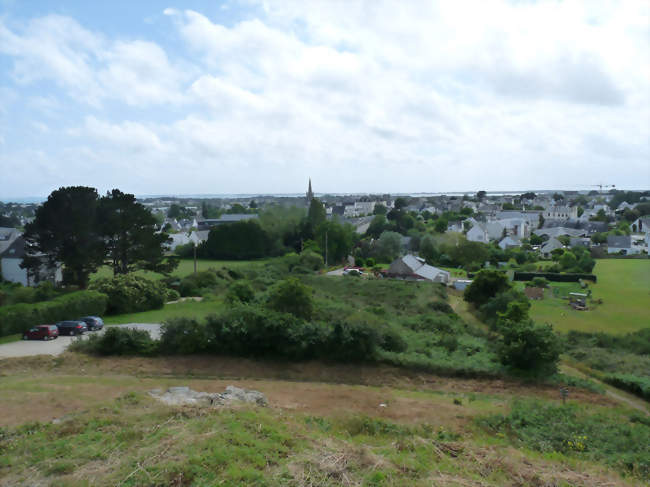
[83,231]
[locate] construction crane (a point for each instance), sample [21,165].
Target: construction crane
[602,186]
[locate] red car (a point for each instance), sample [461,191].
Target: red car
[42,332]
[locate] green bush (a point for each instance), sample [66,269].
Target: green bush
[529,346]
[194,284]
[291,296]
[20,317]
[184,336]
[352,342]
[441,307]
[129,293]
[240,292]
[172,295]
[311,260]
[118,341]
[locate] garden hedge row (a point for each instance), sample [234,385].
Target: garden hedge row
[553,276]
[20,317]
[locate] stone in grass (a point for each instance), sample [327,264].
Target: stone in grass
[177,396]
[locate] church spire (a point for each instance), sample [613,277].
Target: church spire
[310,193]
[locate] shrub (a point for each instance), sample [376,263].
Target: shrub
[194,284]
[311,260]
[252,331]
[352,342]
[538,282]
[291,296]
[441,307]
[118,341]
[184,336]
[370,262]
[528,346]
[240,292]
[19,317]
[172,295]
[129,293]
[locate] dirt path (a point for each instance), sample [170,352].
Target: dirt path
[614,393]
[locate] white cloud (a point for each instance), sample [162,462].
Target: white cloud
[90,67]
[367,96]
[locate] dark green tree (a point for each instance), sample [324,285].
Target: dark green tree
[237,241]
[378,224]
[129,232]
[486,284]
[65,230]
[178,211]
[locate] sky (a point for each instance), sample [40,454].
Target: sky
[209,97]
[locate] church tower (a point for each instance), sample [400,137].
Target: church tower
[310,194]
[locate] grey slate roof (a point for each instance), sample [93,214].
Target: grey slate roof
[15,251]
[619,241]
[557,231]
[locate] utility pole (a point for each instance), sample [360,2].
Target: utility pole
[194,258]
[325,249]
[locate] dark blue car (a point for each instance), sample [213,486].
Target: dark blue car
[93,322]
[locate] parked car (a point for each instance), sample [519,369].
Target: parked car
[93,322]
[72,327]
[42,332]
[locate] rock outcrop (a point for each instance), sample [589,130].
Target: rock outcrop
[183,395]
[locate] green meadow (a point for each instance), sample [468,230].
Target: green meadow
[624,287]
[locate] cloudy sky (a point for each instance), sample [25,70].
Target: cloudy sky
[256,96]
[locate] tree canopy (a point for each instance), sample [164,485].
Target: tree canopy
[80,230]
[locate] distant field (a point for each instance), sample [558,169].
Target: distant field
[624,287]
[186,267]
[190,309]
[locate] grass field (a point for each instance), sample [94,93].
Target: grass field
[186,267]
[396,431]
[624,287]
[191,309]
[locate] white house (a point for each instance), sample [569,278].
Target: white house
[11,259]
[621,244]
[641,225]
[478,233]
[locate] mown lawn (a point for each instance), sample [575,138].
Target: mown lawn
[190,309]
[624,287]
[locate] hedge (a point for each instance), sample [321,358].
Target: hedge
[639,386]
[20,317]
[553,276]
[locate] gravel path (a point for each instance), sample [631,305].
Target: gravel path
[25,348]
